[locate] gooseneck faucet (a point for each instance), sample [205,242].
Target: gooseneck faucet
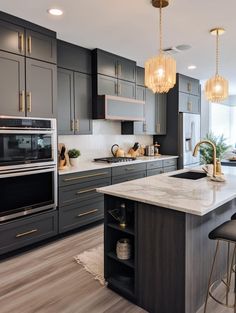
[214,152]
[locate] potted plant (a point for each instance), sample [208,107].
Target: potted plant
[74,157]
[206,151]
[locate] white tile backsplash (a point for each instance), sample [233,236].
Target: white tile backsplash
[105,134]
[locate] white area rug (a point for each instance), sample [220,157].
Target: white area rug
[93,262]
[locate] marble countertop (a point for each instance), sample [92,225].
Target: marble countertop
[197,197]
[91,165]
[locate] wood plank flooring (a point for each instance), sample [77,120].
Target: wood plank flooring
[48,280]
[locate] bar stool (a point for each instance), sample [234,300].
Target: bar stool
[227,233]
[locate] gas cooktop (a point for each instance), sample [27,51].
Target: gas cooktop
[114,159]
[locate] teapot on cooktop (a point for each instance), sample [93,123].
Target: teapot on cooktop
[117,151]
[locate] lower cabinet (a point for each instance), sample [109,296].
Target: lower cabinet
[81,213]
[79,203]
[28,230]
[121,174]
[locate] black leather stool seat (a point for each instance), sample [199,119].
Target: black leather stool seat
[233,217]
[226,231]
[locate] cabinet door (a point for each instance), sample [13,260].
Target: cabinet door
[41,92]
[65,103]
[150,112]
[140,76]
[141,93]
[126,70]
[189,85]
[106,63]
[161,103]
[107,85]
[189,103]
[83,103]
[11,38]
[126,89]
[41,47]
[12,84]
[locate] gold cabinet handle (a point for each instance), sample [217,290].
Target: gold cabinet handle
[26,233]
[29,44]
[85,191]
[119,89]
[87,213]
[189,87]
[29,101]
[73,125]
[145,127]
[22,101]
[85,176]
[116,69]
[77,125]
[21,42]
[189,106]
[158,127]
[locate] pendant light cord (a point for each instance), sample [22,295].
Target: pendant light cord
[160,25]
[217,52]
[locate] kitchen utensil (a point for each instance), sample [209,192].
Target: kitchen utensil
[149,150]
[134,152]
[118,152]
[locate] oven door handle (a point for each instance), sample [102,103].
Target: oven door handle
[22,131]
[29,172]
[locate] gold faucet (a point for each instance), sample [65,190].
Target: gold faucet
[214,153]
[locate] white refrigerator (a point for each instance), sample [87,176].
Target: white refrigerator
[190,135]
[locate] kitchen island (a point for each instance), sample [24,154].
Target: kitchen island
[168,220]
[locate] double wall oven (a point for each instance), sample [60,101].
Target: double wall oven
[28,166]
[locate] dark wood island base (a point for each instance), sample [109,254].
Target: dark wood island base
[171,259]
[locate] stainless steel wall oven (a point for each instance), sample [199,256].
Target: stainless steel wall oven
[28,166]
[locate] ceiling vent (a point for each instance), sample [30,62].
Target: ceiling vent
[177,49]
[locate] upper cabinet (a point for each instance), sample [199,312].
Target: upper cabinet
[23,41]
[112,65]
[188,85]
[28,72]
[74,90]
[73,57]
[40,47]
[140,76]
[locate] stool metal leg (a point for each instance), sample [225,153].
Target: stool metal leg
[234,281]
[209,282]
[228,275]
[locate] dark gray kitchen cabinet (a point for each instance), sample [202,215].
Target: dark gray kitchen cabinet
[126,89]
[65,102]
[189,103]
[128,172]
[150,112]
[111,86]
[12,38]
[112,65]
[161,111]
[27,230]
[12,84]
[75,58]
[41,88]
[74,103]
[106,85]
[140,76]
[83,103]
[41,47]
[188,85]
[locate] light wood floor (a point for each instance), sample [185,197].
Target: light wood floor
[48,280]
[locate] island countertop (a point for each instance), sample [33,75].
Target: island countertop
[197,197]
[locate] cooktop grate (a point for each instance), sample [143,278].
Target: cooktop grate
[114,159]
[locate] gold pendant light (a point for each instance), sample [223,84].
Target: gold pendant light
[160,71]
[217,87]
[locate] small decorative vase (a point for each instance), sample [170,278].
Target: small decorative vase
[74,162]
[123,249]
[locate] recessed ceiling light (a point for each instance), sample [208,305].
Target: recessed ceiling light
[55,11]
[192,67]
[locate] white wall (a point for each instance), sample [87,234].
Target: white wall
[105,134]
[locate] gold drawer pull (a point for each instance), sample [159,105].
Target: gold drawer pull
[86,176]
[84,191]
[29,101]
[77,125]
[87,213]
[189,87]
[72,125]
[27,233]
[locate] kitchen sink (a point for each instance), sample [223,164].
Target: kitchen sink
[190,175]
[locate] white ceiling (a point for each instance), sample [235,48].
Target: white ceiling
[130,28]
